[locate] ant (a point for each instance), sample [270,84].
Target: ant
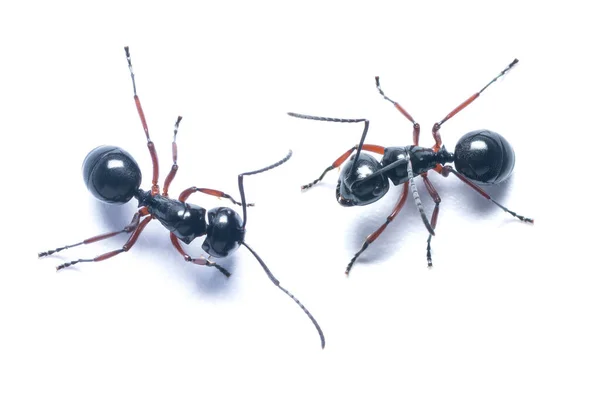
[480,157]
[113,176]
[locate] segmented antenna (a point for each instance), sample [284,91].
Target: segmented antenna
[258,171]
[343,120]
[276,283]
[415,194]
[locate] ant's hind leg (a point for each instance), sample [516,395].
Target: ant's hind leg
[128,245]
[447,170]
[135,221]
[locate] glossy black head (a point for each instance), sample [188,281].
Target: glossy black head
[351,191]
[111,174]
[224,232]
[484,157]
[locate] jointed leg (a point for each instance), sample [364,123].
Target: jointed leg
[436,127]
[416,126]
[129,228]
[175,167]
[199,260]
[448,169]
[434,216]
[211,192]
[130,242]
[367,147]
[371,238]
[151,148]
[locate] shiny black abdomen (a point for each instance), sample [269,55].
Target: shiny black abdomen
[484,157]
[350,192]
[111,174]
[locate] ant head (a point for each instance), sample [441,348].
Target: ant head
[111,174]
[352,191]
[224,233]
[484,157]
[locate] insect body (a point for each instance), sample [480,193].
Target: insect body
[480,157]
[113,176]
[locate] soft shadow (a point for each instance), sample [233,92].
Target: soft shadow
[207,280]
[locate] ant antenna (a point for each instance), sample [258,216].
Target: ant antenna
[415,194]
[276,283]
[362,138]
[258,171]
[260,261]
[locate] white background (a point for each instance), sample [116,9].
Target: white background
[508,311]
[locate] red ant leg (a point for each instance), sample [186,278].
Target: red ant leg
[371,238]
[416,126]
[436,127]
[434,216]
[199,260]
[129,228]
[367,147]
[175,167]
[211,192]
[128,245]
[447,170]
[151,148]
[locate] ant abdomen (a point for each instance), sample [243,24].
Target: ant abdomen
[111,174]
[351,191]
[484,157]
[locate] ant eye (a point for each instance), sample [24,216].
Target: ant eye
[377,190]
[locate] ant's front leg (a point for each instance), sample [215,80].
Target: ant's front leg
[199,260]
[341,159]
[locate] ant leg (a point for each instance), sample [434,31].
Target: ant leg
[367,147]
[448,169]
[434,216]
[128,245]
[199,260]
[416,126]
[175,167]
[371,238]
[151,148]
[129,228]
[211,192]
[436,127]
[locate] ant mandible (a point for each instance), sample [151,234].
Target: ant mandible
[113,176]
[480,156]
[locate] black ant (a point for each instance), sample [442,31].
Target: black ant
[480,156]
[113,176]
